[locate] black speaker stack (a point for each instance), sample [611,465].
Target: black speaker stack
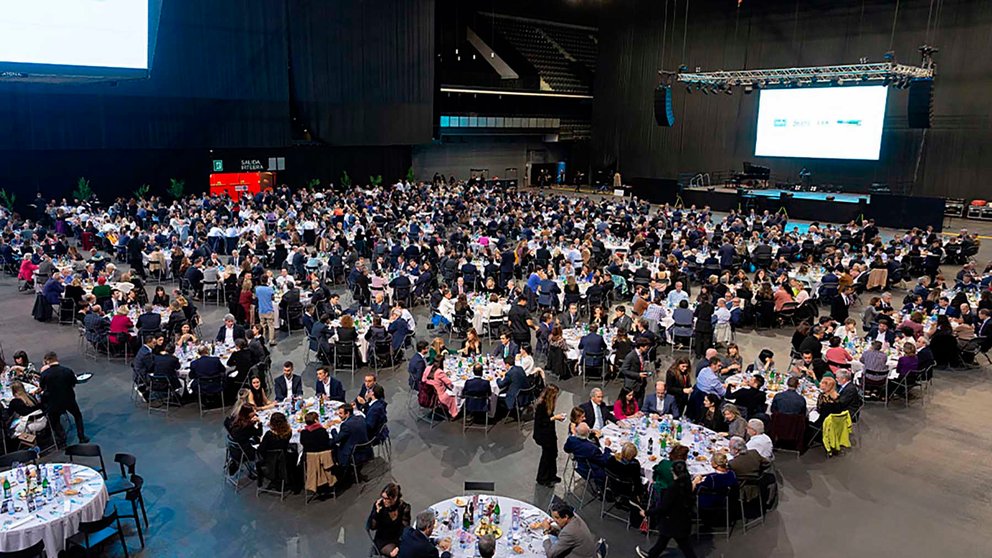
[919,108]
[663,113]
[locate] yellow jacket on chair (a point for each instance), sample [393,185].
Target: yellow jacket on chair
[837,431]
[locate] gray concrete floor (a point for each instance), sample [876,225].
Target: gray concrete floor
[917,484]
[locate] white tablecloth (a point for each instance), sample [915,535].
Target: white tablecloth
[52,522]
[296,422]
[702,443]
[459,370]
[464,544]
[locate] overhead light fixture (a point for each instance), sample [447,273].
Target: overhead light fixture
[884,73]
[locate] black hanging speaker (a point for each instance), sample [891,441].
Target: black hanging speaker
[663,113]
[919,109]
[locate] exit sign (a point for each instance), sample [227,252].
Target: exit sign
[218,165]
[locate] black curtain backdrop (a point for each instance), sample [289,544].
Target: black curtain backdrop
[717,132]
[220,79]
[364,71]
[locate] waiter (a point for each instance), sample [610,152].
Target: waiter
[58,393]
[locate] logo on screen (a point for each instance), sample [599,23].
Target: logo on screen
[780,123]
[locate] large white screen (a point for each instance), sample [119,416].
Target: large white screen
[821,123]
[101,33]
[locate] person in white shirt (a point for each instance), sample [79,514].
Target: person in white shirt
[677,295]
[758,440]
[446,308]
[525,360]
[722,331]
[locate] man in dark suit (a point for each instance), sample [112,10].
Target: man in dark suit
[590,460]
[205,367]
[746,463]
[633,369]
[398,330]
[351,433]
[194,275]
[621,320]
[241,360]
[789,401]
[149,322]
[291,297]
[750,397]
[58,394]
[511,384]
[547,292]
[289,384]
[597,413]
[570,318]
[506,349]
[593,348]
[329,386]
[660,403]
[847,393]
[230,332]
[415,542]
[882,332]
[477,387]
[813,343]
[983,329]
[143,363]
[375,414]
[417,365]
[166,365]
[401,287]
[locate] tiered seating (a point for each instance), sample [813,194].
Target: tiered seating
[581,44]
[530,40]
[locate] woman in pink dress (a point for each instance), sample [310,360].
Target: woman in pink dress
[438,379]
[836,356]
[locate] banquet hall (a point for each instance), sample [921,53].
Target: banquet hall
[425,278]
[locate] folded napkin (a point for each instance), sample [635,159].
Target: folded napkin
[19,522]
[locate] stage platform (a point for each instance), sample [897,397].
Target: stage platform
[821,196]
[889,210]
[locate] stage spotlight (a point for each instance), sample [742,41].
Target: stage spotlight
[688,88]
[729,90]
[706,91]
[748,89]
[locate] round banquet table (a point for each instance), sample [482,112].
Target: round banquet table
[463,544]
[55,520]
[701,441]
[459,370]
[296,419]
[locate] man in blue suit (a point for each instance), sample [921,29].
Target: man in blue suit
[479,388]
[206,367]
[417,365]
[660,403]
[351,433]
[593,348]
[590,461]
[415,542]
[506,349]
[375,415]
[287,384]
[52,290]
[512,382]
[329,386]
[789,402]
[547,292]
[398,329]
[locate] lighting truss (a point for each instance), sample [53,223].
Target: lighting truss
[851,73]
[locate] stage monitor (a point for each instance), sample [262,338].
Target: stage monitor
[821,122]
[75,37]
